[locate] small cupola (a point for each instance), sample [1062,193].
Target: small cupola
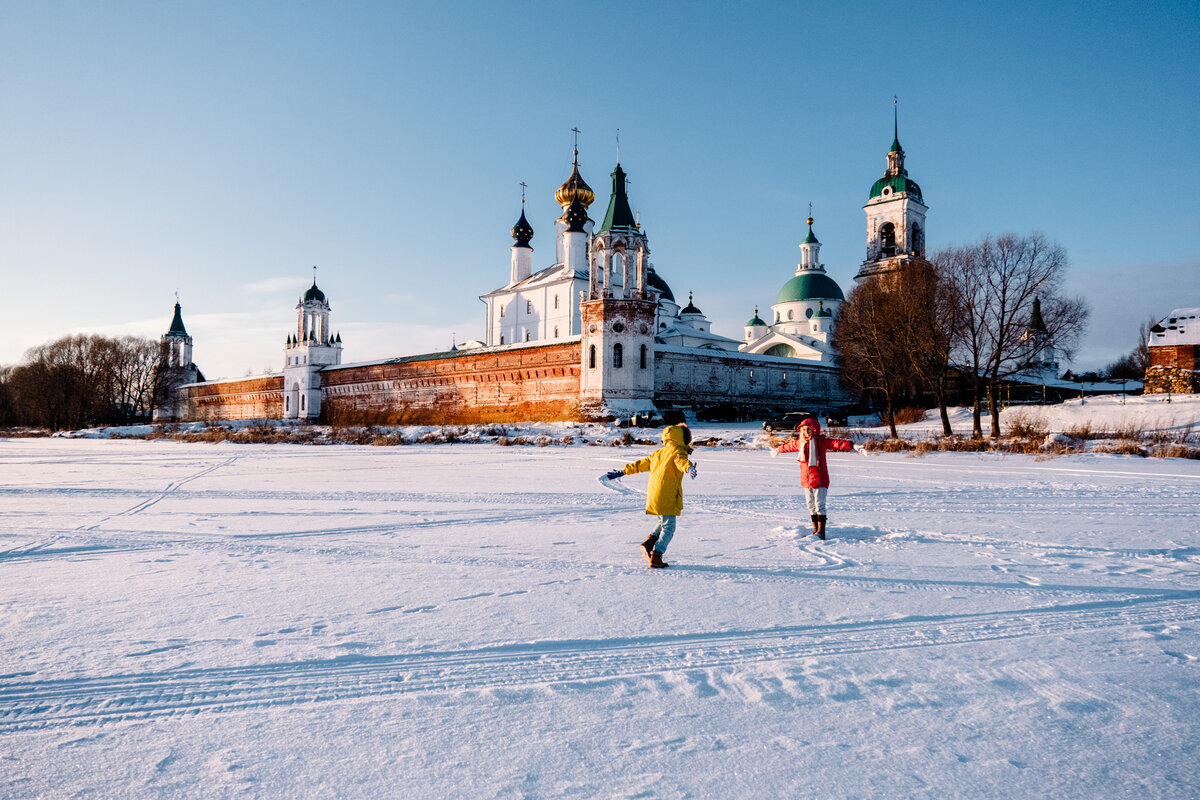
[522,232]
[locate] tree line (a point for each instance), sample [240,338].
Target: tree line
[82,380]
[960,317]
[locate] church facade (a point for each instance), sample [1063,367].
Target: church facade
[597,334]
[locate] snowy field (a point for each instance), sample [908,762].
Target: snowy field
[467,620]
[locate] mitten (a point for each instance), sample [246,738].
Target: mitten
[692,471]
[614,474]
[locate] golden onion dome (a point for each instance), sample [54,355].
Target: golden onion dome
[575,188]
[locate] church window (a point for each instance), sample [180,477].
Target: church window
[527,334]
[791,313]
[808,312]
[918,240]
[301,402]
[777,317]
[502,338]
[642,359]
[556,327]
[502,312]
[556,303]
[592,357]
[528,306]
[618,356]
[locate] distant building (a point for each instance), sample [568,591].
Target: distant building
[1175,353]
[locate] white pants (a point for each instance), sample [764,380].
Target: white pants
[815,500]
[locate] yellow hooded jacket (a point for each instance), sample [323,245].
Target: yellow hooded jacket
[666,465]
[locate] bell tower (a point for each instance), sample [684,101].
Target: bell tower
[312,346]
[895,216]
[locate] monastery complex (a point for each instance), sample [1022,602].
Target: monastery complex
[596,335]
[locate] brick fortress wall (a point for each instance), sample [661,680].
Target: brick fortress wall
[535,383]
[247,398]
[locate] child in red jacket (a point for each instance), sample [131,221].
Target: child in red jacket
[814,471]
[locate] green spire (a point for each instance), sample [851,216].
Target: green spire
[619,214]
[177,323]
[896,148]
[1036,325]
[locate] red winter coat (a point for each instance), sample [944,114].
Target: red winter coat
[815,477]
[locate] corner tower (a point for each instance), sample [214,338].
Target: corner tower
[895,216]
[175,369]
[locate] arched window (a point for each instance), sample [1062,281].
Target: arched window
[618,355]
[556,327]
[887,240]
[502,309]
[556,304]
[642,358]
[528,306]
[592,357]
[502,338]
[918,240]
[527,334]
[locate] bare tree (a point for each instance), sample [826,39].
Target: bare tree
[1133,366]
[927,315]
[995,282]
[84,380]
[871,355]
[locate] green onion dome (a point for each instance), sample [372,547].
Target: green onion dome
[810,286]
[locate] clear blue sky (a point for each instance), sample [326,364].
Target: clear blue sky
[222,149]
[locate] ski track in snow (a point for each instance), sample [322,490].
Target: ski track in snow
[32,705]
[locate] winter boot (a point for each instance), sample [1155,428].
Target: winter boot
[648,545]
[656,561]
[821,526]
[816,524]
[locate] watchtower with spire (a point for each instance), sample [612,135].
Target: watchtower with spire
[313,346]
[618,313]
[175,369]
[895,216]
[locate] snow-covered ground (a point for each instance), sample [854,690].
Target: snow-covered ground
[467,620]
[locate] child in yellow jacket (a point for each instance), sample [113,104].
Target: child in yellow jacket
[664,492]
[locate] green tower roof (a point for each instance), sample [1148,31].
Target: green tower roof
[177,323]
[899,183]
[619,214]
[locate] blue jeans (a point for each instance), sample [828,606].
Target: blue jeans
[664,530]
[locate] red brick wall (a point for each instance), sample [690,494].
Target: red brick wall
[539,382]
[1182,356]
[248,398]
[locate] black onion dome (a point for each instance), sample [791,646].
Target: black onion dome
[314,294]
[655,282]
[522,232]
[576,216]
